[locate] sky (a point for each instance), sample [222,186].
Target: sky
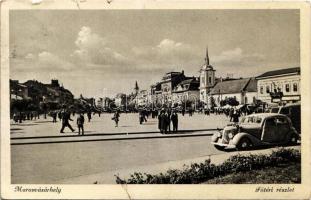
[103,52]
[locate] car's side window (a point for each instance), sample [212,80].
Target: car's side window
[270,122]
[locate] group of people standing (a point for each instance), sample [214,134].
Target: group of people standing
[234,115]
[65,116]
[164,121]
[19,117]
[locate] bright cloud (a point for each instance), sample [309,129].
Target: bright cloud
[171,45]
[29,56]
[52,62]
[94,49]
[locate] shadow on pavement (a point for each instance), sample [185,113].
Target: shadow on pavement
[33,124]
[17,132]
[15,129]
[149,123]
[262,147]
[42,122]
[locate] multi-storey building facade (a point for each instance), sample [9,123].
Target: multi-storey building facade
[187,90]
[279,86]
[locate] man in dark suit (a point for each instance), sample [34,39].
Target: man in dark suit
[65,120]
[174,119]
[80,123]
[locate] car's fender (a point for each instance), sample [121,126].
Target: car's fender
[215,136]
[236,139]
[291,133]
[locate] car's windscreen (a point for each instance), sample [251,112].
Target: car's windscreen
[252,119]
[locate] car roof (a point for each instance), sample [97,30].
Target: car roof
[292,104]
[264,115]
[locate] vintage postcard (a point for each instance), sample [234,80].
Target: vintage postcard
[155,100]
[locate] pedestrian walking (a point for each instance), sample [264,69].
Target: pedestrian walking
[54,116]
[80,123]
[231,114]
[89,115]
[174,119]
[20,117]
[165,122]
[65,119]
[235,116]
[15,118]
[116,117]
[141,116]
[160,121]
[34,115]
[60,115]
[145,115]
[190,112]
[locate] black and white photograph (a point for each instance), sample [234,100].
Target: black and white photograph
[155,96]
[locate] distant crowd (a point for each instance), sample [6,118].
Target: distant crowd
[167,117]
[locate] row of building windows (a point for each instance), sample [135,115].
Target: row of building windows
[287,88]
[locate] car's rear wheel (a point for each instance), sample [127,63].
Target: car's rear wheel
[244,144]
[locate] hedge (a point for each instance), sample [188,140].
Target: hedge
[198,173]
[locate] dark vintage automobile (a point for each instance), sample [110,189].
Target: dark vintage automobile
[293,111]
[257,130]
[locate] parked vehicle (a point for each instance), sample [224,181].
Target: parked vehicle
[293,111]
[257,130]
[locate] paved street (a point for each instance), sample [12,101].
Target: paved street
[31,163]
[76,159]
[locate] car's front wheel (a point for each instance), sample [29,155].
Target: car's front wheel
[293,139]
[244,144]
[220,148]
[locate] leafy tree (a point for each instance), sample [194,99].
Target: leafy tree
[232,101]
[223,102]
[229,101]
[20,105]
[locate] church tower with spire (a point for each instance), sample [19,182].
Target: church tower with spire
[136,88]
[207,80]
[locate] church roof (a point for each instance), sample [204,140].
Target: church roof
[251,86]
[235,86]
